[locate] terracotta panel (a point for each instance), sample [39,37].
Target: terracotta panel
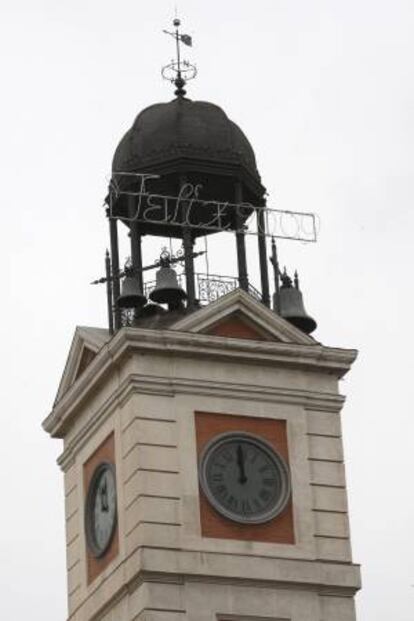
[278,530]
[236,327]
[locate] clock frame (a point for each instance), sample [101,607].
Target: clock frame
[96,549]
[254,457]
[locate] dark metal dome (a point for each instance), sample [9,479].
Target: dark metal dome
[198,134]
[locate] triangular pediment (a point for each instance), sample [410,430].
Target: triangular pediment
[239,315]
[86,343]
[86,358]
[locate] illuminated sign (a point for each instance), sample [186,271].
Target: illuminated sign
[188,210]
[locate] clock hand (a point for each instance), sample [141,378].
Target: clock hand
[104,496]
[240,463]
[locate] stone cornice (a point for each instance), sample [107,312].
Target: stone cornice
[312,357]
[144,384]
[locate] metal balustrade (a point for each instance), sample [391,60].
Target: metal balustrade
[209,287]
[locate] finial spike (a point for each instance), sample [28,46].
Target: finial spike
[286,279]
[296,280]
[179,72]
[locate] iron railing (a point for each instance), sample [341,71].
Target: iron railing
[209,287]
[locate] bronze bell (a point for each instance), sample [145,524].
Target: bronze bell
[167,290]
[131,294]
[291,305]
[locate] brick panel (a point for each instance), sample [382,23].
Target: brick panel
[278,530]
[236,327]
[105,452]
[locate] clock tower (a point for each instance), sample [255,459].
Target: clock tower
[203,464]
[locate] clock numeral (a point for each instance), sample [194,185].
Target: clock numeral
[221,490]
[257,504]
[227,456]
[265,494]
[265,468]
[270,482]
[232,502]
[246,508]
[217,477]
[219,465]
[252,455]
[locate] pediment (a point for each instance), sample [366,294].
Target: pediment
[239,315]
[86,343]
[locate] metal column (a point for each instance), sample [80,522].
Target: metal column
[189,266]
[241,242]
[188,243]
[136,249]
[109,292]
[275,263]
[113,232]
[264,274]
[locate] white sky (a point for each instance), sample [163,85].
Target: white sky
[324,91]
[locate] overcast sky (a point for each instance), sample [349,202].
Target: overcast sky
[324,91]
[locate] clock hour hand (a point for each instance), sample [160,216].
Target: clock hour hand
[240,463]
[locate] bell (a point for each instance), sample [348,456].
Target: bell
[131,295]
[291,305]
[167,290]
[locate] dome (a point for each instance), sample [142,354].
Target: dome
[197,134]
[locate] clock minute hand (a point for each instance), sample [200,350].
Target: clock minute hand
[240,463]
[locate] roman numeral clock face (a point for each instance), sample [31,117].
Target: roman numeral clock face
[244,478]
[100,510]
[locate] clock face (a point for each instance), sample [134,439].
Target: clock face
[244,478]
[100,515]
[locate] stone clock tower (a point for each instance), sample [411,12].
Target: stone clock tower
[203,465]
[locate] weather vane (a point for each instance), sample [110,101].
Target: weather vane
[179,72]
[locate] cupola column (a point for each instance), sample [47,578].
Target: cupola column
[136,250]
[241,242]
[113,233]
[264,274]
[109,293]
[188,243]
